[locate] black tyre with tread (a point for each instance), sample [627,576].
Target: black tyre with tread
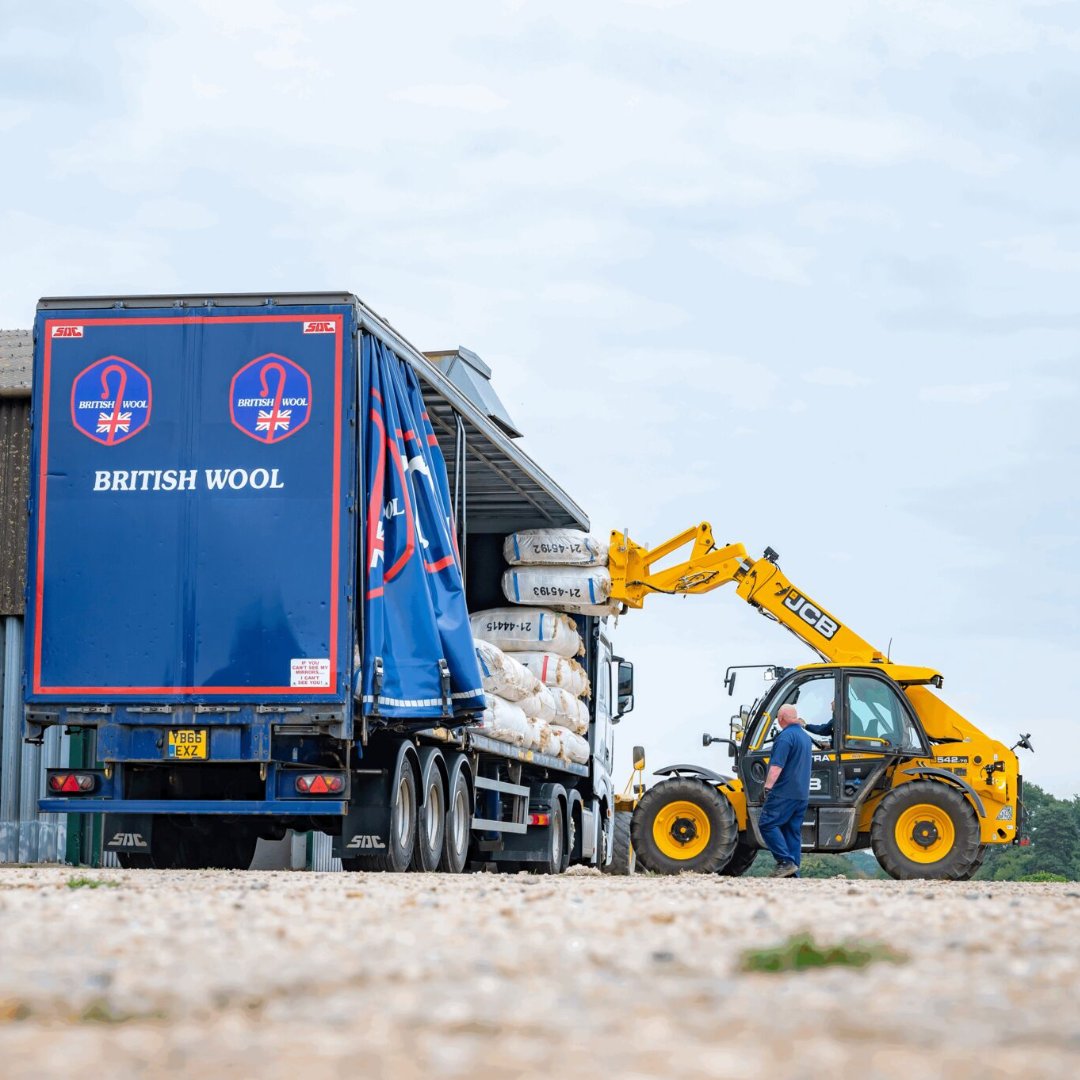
[557,855]
[458,830]
[741,860]
[957,862]
[623,859]
[707,804]
[431,825]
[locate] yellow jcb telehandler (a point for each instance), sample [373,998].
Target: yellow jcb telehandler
[895,768]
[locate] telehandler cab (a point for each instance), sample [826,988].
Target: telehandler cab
[894,769]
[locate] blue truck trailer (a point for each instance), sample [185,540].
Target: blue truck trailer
[257,527]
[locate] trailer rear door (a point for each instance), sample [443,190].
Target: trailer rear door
[192,506]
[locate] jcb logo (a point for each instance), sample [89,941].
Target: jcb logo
[67,331]
[319,327]
[363,842]
[127,840]
[811,614]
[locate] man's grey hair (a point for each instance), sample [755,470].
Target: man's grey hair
[788,713]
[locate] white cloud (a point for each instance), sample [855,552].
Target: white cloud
[1039,251]
[833,376]
[760,255]
[467,97]
[966,394]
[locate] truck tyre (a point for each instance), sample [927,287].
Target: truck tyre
[556,855]
[431,825]
[399,847]
[623,860]
[458,829]
[741,861]
[926,829]
[684,824]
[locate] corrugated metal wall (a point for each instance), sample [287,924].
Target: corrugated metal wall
[25,835]
[14,489]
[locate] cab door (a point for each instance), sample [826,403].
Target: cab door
[878,726]
[813,693]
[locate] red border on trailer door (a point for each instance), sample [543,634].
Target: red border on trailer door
[335,527]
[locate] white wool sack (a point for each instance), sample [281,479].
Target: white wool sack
[557,586]
[538,629]
[503,675]
[504,721]
[554,670]
[550,741]
[570,712]
[574,747]
[539,706]
[554,547]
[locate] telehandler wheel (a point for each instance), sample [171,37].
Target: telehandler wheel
[623,857]
[741,860]
[925,829]
[684,824]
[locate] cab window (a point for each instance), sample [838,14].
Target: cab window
[877,718]
[812,696]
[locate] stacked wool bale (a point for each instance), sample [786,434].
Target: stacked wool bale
[553,571]
[518,649]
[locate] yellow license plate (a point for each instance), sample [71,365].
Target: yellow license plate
[189,744]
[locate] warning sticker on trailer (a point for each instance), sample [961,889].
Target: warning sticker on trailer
[314,674]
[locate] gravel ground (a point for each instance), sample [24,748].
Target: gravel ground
[295,974]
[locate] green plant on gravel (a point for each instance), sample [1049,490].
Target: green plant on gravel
[801,953]
[91,883]
[1043,875]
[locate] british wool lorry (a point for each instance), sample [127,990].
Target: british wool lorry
[257,527]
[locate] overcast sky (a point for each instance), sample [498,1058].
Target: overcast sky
[807,271]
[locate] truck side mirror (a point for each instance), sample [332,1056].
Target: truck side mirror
[626,687]
[639,758]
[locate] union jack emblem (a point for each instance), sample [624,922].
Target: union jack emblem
[111,423]
[271,421]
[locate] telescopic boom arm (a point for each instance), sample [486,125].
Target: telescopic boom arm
[760,582]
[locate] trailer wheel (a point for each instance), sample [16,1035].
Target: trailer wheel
[399,848]
[683,824]
[623,859]
[741,861]
[431,825]
[458,828]
[556,854]
[925,829]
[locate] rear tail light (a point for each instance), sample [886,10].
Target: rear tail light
[1025,841]
[320,783]
[539,819]
[78,783]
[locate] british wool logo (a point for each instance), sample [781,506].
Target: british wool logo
[110,400]
[270,398]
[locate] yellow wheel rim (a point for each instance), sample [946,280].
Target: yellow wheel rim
[681,830]
[925,833]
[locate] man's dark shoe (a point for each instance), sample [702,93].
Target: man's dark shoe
[785,869]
